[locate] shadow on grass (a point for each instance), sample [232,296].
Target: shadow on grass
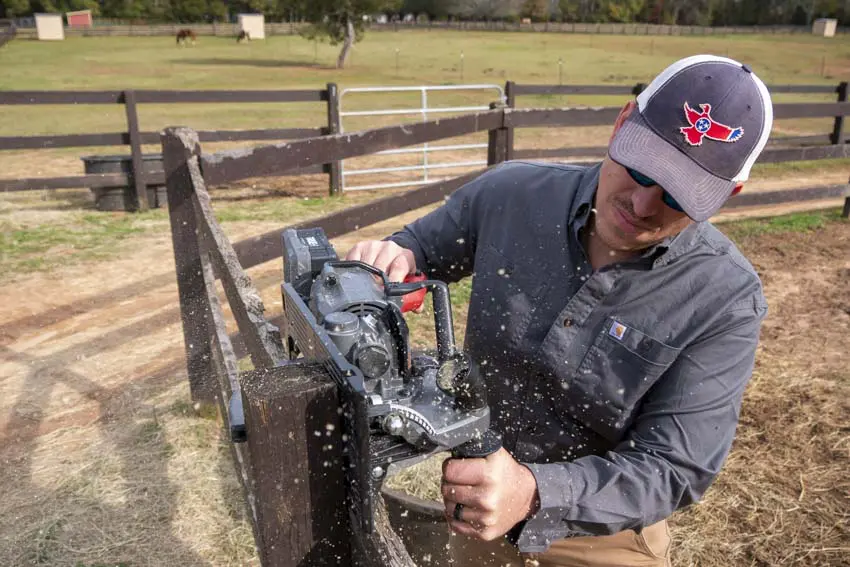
[266,63]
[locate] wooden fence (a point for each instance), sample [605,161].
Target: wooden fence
[162,30]
[138,179]
[837,136]
[599,28]
[830,145]
[290,28]
[297,502]
[7,32]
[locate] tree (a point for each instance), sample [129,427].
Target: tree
[537,10]
[342,21]
[16,8]
[435,9]
[623,10]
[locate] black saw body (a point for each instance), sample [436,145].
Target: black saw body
[397,406]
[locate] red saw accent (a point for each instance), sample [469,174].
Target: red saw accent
[413,300]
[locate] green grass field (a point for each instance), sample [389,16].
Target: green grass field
[424,58]
[35,241]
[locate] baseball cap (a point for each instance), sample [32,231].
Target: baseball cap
[697,130]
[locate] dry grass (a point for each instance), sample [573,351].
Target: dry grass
[154,487]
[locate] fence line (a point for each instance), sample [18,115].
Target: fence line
[149,30]
[831,144]
[290,28]
[599,28]
[795,110]
[137,177]
[8,31]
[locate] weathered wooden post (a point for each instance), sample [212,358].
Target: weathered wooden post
[138,173]
[510,101]
[497,142]
[194,306]
[837,136]
[334,168]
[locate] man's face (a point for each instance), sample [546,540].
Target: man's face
[630,216]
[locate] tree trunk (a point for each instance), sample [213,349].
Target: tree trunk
[347,43]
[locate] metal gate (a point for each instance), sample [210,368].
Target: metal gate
[426,150]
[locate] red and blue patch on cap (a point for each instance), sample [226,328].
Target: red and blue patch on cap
[702,125]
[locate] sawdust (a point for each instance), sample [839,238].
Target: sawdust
[109,465]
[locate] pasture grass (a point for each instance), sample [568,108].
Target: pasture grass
[32,241]
[784,224]
[424,58]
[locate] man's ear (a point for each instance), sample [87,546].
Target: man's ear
[627,109]
[737,189]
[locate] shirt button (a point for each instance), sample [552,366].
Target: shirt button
[568,322]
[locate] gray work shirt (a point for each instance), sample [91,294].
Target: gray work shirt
[619,388]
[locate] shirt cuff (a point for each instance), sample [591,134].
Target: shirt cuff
[555,489]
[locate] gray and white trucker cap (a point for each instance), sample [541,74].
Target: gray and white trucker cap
[697,130]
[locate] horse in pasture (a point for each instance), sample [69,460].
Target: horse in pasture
[186,35]
[243,36]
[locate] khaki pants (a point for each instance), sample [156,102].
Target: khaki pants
[650,548]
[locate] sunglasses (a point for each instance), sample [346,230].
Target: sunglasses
[645,181]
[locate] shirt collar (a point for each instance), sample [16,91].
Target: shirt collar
[659,254]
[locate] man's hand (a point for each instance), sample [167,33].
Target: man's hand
[497,492]
[385,255]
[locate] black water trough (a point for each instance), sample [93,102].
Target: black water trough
[120,198]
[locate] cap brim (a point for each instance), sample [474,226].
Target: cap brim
[700,193]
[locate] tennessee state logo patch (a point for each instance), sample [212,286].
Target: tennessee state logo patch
[703,126]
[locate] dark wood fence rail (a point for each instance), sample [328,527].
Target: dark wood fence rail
[837,136]
[277,159]
[133,137]
[8,31]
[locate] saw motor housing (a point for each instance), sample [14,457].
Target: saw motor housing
[347,315]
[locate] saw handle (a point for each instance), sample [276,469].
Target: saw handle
[479,447]
[413,300]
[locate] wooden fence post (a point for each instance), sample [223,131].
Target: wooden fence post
[334,127]
[497,148]
[838,129]
[138,172]
[510,101]
[298,474]
[195,309]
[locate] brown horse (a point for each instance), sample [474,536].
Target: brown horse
[243,36]
[185,35]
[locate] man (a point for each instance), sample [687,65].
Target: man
[616,327]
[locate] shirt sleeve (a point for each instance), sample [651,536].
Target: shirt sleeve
[670,456]
[444,241]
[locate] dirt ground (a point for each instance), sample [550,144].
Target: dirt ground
[107,463]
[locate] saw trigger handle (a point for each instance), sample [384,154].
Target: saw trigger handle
[414,299]
[479,447]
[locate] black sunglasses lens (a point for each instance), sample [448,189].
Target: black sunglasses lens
[640,178]
[671,202]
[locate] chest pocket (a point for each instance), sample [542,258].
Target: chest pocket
[620,367]
[501,305]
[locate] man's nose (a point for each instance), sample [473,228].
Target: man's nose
[646,201]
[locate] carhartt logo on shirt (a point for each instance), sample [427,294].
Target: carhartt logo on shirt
[617,330]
